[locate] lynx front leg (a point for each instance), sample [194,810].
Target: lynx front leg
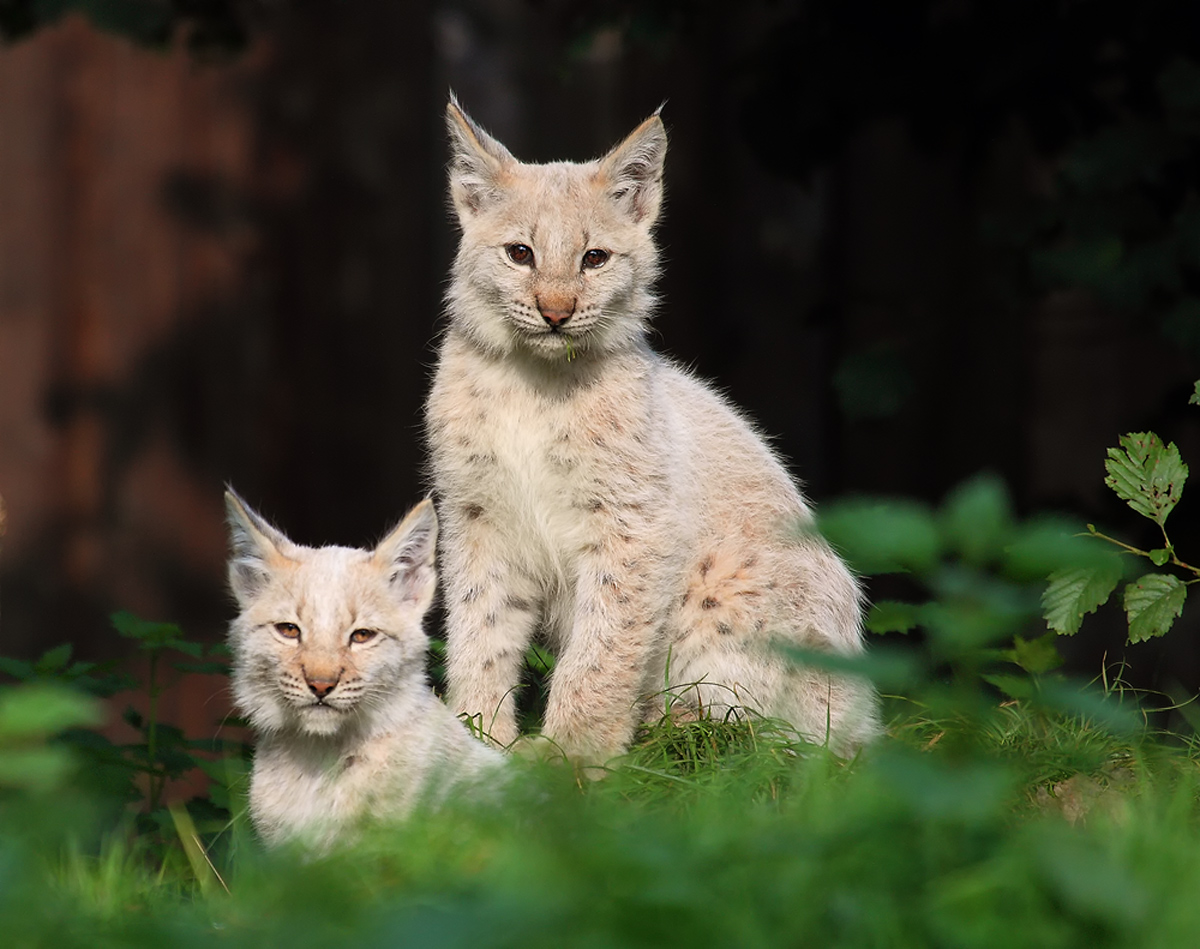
[491,612]
[596,693]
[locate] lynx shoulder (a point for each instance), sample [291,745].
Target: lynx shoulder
[594,494]
[329,667]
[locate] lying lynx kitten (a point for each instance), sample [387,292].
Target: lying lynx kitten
[329,666]
[595,493]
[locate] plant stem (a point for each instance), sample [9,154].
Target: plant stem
[152,732]
[1174,561]
[1185,566]
[1092,532]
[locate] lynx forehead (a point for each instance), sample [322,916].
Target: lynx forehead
[319,634]
[563,250]
[596,495]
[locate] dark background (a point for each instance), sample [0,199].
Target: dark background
[915,240]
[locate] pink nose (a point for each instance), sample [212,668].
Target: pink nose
[321,687]
[557,317]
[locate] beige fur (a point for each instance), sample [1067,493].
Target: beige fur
[594,493]
[346,729]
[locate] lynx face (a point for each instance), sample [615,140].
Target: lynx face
[555,258]
[324,635]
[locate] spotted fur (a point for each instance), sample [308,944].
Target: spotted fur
[595,494]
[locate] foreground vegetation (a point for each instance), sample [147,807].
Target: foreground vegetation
[1007,805]
[1018,829]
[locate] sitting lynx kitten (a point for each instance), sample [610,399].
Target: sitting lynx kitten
[329,666]
[595,493]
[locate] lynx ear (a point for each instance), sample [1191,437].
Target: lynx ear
[407,553]
[632,172]
[477,163]
[255,544]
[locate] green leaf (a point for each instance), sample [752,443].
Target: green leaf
[1195,399]
[40,710]
[1015,687]
[977,519]
[35,769]
[1036,655]
[154,635]
[1160,556]
[17,668]
[889,669]
[1071,594]
[883,536]
[186,646]
[539,659]
[1047,545]
[961,627]
[893,616]
[54,659]
[1146,474]
[1152,604]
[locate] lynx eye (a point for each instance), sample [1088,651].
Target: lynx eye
[288,630]
[519,254]
[595,259]
[363,635]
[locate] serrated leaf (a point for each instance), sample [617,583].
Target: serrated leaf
[893,616]
[1195,399]
[976,518]
[1160,556]
[1071,594]
[1146,474]
[1035,655]
[1152,604]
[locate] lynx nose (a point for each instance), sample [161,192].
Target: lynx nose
[321,686]
[556,312]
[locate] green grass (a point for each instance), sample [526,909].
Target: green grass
[949,832]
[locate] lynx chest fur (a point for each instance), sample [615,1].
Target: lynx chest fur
[594,494]
[561,466]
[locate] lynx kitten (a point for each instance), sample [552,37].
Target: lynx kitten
[329,666]
[596,494]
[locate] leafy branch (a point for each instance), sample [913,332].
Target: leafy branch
[978,572]
[1149,476]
